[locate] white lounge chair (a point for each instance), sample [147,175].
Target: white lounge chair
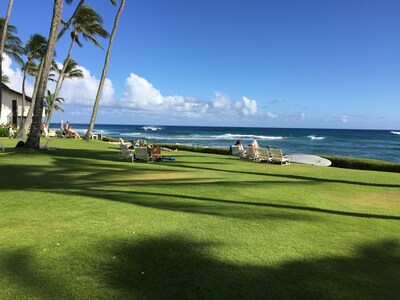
[141,153]
[278,157]
[252,154]
[235,151]
[125,153]
[264,155]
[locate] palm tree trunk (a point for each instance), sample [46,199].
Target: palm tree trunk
[66,25]
[60,80]
[2,42]
[23,93]
[104,73]
[28,121]
[33,140]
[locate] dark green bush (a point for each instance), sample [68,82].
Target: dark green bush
[197,149]
[109,139]
[3,130]
[363,164]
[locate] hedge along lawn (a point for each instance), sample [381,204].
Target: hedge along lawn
[78,223]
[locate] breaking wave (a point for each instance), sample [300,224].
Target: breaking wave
[152,128]
[313,137]
[395,132]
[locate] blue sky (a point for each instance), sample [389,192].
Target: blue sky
[310,64]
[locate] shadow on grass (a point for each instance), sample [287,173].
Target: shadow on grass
[178,268]
[86,179]
[173,267]
[20,268]
[150,199]
[288,176]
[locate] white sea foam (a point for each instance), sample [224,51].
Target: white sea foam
[229,136]
[201,137]
[313,137]
[395,132]
[152,128]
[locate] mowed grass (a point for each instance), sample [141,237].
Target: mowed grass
[78,223]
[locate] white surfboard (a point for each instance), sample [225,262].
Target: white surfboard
[310,160]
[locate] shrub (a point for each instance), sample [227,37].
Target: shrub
[109,139]
[363,164]
[3,131]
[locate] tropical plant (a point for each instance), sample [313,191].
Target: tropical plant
[9,44]
[35,49]
[2,42]
[89,132]
[5,79]
[33,140]
[51,102]
[87,24]
[71,72]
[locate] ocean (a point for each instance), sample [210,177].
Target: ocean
[376,144]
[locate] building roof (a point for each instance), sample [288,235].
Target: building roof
[5,87]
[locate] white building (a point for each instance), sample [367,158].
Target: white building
[11,108]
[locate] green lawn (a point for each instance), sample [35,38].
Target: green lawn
[78,223]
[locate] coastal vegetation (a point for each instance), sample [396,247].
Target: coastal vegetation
[79,223]
[85,22]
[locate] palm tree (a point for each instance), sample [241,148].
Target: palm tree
[5,79]
[2,42]
[35,49]
[87,23]
[10,44]
[33,140]
[71,72]
[29,68]
[104,73]
[50,101]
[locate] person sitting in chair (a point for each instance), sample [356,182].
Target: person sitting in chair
[71,132]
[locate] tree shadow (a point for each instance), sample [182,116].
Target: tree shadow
[178,268]
[97,181]
[151,199]
[288,176]
[20,268]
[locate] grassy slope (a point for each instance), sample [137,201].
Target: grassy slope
[78,223]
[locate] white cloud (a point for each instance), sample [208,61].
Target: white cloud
[82,91]
[271,116]
[343,118]
[221,101]
[15,77]
[143,96]
[141,100]
[249,107]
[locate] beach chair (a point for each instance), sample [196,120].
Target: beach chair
[278,157]
[235,151]
[141,153]
[264,155]
[156,153]
[252,154]
[125,153]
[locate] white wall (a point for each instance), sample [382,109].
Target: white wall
[6,108]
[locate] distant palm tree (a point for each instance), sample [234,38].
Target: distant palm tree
[9,44]
[35,49]
[51,102]
[2,42]
[70,72]
[5,79]
[33,140]
[87,23]
[89,132]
